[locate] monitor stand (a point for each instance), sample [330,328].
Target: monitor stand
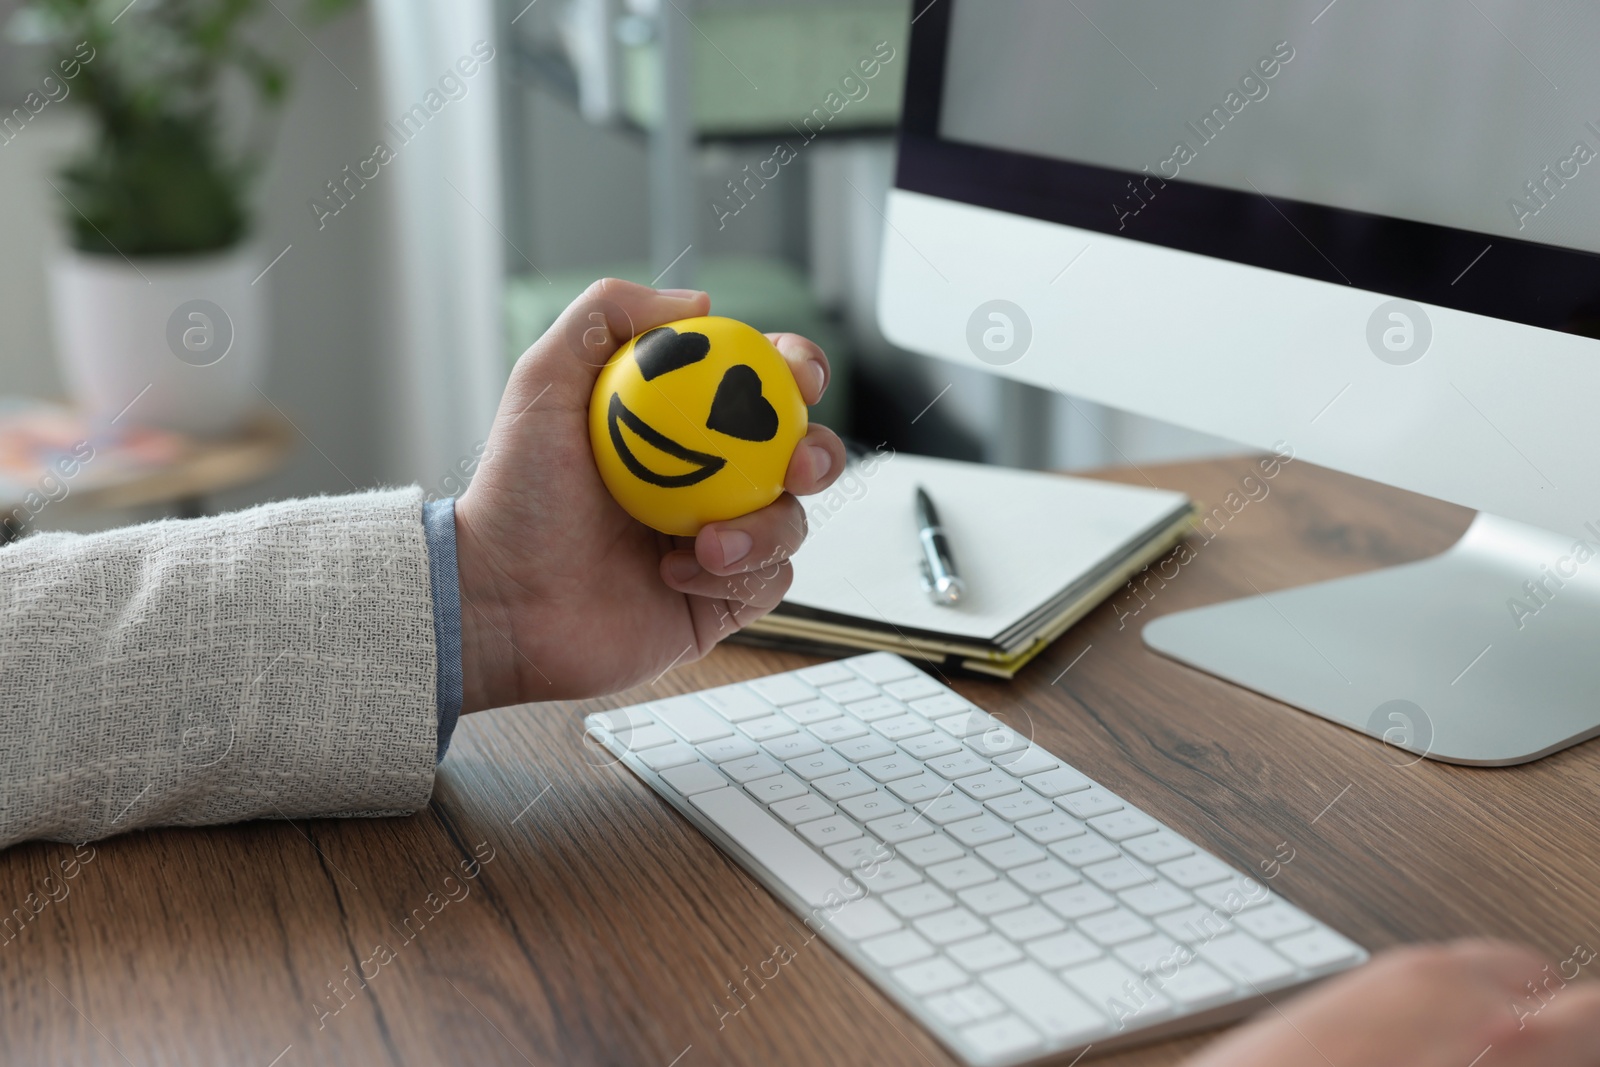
[1431,657]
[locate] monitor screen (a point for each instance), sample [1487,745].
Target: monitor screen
[1481,116]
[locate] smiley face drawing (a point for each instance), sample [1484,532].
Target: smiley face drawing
[695,422]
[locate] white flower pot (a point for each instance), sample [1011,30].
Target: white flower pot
[173,342]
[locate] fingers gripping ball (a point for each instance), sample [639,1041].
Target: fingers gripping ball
[694,422]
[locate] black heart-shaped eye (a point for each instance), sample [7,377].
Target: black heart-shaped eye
[664,349]
[739,410]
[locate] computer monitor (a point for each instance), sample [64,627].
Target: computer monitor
[1360,233]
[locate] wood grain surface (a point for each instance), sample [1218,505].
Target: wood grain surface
[548,909]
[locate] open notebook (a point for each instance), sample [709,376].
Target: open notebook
[1037,552]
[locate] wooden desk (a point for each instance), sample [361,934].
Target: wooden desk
[605,929]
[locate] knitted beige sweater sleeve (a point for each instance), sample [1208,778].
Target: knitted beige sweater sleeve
[276,662]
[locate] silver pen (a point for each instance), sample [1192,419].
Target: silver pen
[944,585]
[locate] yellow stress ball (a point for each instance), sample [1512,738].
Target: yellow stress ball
[694,422]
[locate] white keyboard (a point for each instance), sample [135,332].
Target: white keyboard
[1013,906]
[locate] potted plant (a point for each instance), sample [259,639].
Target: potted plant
[153,304]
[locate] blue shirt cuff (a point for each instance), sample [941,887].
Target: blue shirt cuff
[439,525]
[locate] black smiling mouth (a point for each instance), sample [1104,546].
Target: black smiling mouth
[706,463]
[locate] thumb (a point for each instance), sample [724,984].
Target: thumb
[588,333]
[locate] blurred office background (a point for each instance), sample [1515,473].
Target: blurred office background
[600,138]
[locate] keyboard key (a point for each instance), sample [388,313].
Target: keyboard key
[1036,995]
[797,810]
[918,900]
[639,738]
[1234,895]
[937,707]
[924,786]
[781,689]
[727,748]
[892,950]
[817,765]
[880,667]
[913,688]
[778,787]
[1018,806]
[1194,925]
[1021,764]
[960,1006]
[1317,949]
[1197,986]
[1245,960]
[736,703]
[902,827]
[948,809]
[1158,953]
[694,778]
[829,830]
[1115,926]
[876,708]
[845,692]
[930,976]
[615,722]
[1057,782]
[870,806]
[840,729]
[765,729]
[1158,847]
[1085,851]
[1002,1037]
[813,711]
[674,755]
[990,783]
[929,745]
[691,719]
[750,768]
[979,831]
[883,877]
[1156,898]
[1045,876]
[902,726]
[1077,901]
[953,924]
[891,768]
[1062,950]
[956,765]
[926,851]
[789,859]
[853,855]
[968,723]
[786,748]
[998,741]
[1273,921]
[1047,829]
[861,749]
[1120,873]
[1025,924]
[1087,803]
[993,897]
[825,674]
[1104,980]
[983,953]
[1196,870]
[1121,825]
[1012,852]
[961,873]
[840,786]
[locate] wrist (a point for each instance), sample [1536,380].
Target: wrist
[489,668]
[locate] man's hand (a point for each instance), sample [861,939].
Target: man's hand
[563,594]
[1454,1005]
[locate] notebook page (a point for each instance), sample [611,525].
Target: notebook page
[1018,538]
